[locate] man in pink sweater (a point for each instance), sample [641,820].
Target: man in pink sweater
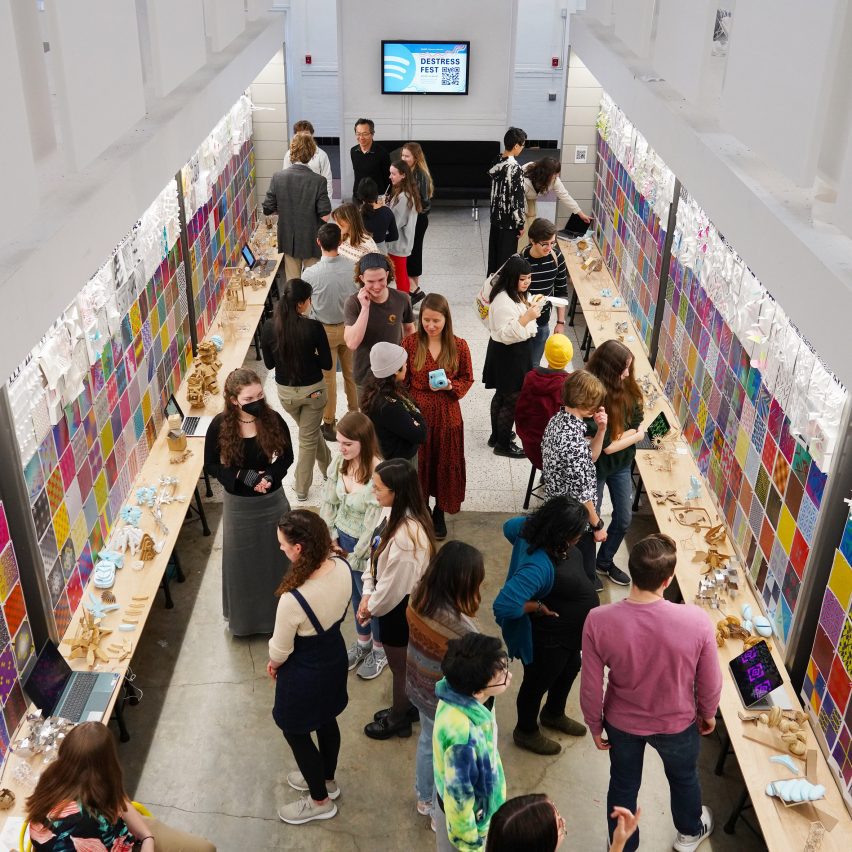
[663,689]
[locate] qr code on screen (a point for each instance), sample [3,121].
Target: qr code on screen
[449,76]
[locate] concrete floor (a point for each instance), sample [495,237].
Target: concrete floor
[205,754]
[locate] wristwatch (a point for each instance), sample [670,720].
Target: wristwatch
[598,526]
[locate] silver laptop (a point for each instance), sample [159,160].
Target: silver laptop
[58,691]
[194,427]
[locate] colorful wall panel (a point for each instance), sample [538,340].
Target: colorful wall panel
[768,485]
[16,641]
[828,680]
[221,210]
[630,236]
[91,445]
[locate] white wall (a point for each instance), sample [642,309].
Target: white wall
[312,90]
[764,216]
[489,25]
[542,34]
[271,129]
[79,215]
[582,99]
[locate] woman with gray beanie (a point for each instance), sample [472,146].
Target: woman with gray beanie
[400,426]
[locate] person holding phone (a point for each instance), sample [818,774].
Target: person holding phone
[434,347]
[569,456]
[297,348]
[248,449]
[612,363]
[512,319]
[542,608]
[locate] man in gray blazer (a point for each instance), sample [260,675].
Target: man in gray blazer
[300,198]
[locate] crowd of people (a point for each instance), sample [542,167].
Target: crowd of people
[648,668]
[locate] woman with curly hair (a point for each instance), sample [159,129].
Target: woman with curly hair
[80,803]
[540,177]
[307,661]
[248,449]
[612,363]
[355,240]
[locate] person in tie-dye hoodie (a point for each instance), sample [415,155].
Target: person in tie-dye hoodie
[469,781]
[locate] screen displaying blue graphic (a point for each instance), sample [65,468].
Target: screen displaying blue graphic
[425,67]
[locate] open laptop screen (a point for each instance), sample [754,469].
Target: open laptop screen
[248,256]
[172,407]
[47,680]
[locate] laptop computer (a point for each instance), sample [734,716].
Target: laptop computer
[261,267]
[655,433]
[58,691]
[194,427]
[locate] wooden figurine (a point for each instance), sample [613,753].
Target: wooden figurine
[176,437]
[147,551]
[195,389]
[208,354]
[86,642]
[235,293]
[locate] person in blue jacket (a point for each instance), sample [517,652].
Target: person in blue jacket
[541,609]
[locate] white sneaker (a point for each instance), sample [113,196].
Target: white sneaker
[356,653]
[373,665]
[306,809]
[297,781]
[689,842]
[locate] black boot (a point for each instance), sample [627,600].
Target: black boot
[439,523]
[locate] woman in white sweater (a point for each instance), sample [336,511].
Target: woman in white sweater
[403,545]
[405,205]
[540,177]
[307,660]
[512,327]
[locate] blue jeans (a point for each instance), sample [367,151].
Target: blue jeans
[424,775]
[364,631]
[620,484]
[679,753]
[538,343]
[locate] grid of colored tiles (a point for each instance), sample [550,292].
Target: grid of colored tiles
[631,238]
[218,231]
[767,484]
[16,640]
[828,680]
[90,458]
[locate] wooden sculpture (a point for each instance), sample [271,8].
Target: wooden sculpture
[87,640]
[147,550]
[208,354]
[195,389]
[235,292]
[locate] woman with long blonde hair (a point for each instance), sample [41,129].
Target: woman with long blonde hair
[355,241]
[441,461]
[248,449]
[405,205]
[412,155]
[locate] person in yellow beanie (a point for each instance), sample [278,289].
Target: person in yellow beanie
[541,395]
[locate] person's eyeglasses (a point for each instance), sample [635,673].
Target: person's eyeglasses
[506,675]
[363,135]
[547,245]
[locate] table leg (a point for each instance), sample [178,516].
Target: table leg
[199,507]
[586,344]
[209,491]
[572,308]
[257,344]
[736,813]
[723,754]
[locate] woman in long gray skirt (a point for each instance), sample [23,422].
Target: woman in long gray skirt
[248,449]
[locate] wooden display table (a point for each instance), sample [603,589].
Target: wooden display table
[138,588]
[671,469]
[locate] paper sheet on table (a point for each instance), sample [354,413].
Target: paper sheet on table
[558,301]
[11,834]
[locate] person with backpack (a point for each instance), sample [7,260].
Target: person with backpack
[549,278]
[508,201]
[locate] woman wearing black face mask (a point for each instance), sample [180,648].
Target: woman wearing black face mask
[248,449]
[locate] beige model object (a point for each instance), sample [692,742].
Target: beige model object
[87,640]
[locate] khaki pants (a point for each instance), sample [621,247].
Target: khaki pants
[293,266]
[306,409]
[340,350]
[167,839]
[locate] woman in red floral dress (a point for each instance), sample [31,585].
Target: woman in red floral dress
[441,459]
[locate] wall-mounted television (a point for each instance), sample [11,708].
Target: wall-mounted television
[425,67]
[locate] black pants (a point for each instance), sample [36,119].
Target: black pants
[503,416]
[502,244]
[414,262]
[552,671]
[317,764]
[588,548]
